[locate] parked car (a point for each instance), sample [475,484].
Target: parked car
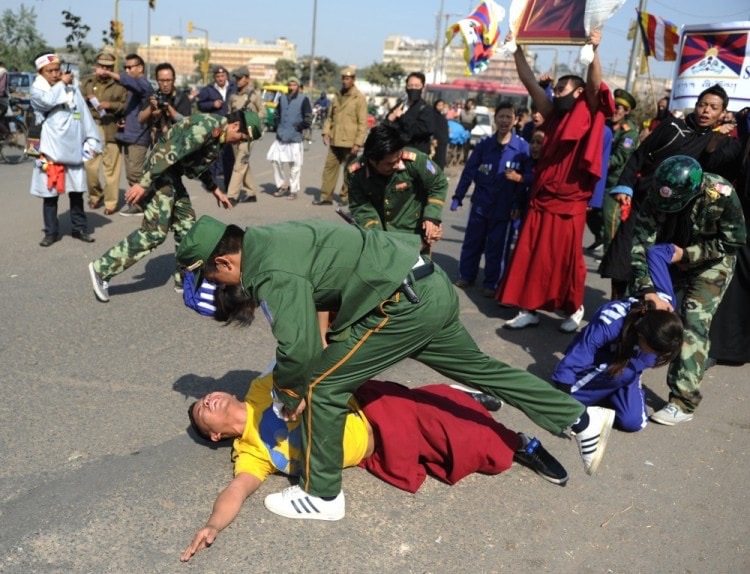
[483,127]
[19,85]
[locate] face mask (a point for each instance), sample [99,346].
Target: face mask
[413,94]
[564,103]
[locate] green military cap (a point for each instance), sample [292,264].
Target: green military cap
[250,123]
[677,182]
[625,98]
[199,243]
[241,72]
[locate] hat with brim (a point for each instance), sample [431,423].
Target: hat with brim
[198,245]
[625,98]
[105,59]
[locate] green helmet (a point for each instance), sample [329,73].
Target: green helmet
[677,182]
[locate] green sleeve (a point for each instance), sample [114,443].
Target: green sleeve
[288,301]
[730,236]
[361,202]
[644,237]
[435,184]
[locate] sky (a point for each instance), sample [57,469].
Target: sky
[349,32]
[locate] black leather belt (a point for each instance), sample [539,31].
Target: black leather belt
[417,273]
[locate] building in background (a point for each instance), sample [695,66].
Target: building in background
[259,57]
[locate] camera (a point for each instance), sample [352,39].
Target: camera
[162,99]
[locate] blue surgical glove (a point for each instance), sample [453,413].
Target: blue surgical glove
[455,204]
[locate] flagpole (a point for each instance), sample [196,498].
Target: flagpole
[651,83]
[634,49]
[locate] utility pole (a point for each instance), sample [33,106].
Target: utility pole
[312,48]
[634,53]
[204,63]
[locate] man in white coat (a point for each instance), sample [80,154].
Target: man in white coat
[69,137]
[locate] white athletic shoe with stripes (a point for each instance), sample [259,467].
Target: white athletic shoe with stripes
[293,502]
[592,441]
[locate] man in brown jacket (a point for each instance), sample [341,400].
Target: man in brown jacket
[344,134]
[106,100]
[241,182]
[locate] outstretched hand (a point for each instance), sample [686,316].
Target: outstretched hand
[203,539]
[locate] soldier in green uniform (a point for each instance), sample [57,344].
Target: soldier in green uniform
[392,188]
[188,149]
[700,214]
[391,304]
[625,138]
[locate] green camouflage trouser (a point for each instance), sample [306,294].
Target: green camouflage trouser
[702,292]
[169,207]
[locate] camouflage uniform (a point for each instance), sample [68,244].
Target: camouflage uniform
[414,193]
[190,147]
[717,231]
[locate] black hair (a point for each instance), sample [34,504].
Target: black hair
[715,90]
[165,66]
[662,331]
[505,105]
[135,57]
[233,305]
[577,81]
[438,101]
[230,243]
[419,75]
[194,424]
[382,141]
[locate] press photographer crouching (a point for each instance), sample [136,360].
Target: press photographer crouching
[166,105]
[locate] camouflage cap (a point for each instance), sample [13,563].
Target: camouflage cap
[199,243]
[677,181]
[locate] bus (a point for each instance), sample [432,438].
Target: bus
[483,93]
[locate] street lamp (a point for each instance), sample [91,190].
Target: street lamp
[204,63]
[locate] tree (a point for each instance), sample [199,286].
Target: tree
[285,69]
[21,41]
[385,74]
[201,58]
[74,41]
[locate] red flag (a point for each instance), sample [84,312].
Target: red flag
[660,37]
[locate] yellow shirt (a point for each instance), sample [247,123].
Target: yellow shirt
[270,444]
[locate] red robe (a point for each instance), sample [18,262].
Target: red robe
[547,270]
[434,430]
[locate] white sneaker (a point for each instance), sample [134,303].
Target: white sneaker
[592,441]
[671,415]
[101,287]
[571,324]
[522,320]
[293,502]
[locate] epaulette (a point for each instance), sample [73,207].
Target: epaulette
[409,155]
[354,166]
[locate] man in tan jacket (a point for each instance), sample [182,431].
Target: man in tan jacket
[344,134]
[241,181]
[106,100]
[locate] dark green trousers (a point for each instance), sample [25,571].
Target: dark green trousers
[431,333]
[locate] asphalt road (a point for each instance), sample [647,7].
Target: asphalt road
[99,474]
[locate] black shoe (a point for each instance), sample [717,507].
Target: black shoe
[233,202]
[533,455]
[249,199]
[49,240]
[489,402]
[322,202]
[83,236]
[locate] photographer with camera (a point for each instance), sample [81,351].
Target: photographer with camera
[165,106]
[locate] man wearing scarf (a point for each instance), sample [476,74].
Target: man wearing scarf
[69,137]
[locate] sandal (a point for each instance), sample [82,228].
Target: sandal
[281,192]
[292,196]
[93,204]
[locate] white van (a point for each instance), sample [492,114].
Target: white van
[484,126]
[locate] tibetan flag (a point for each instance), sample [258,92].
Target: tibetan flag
[480,32]
[660,37]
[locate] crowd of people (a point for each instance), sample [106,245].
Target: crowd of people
[345,302]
